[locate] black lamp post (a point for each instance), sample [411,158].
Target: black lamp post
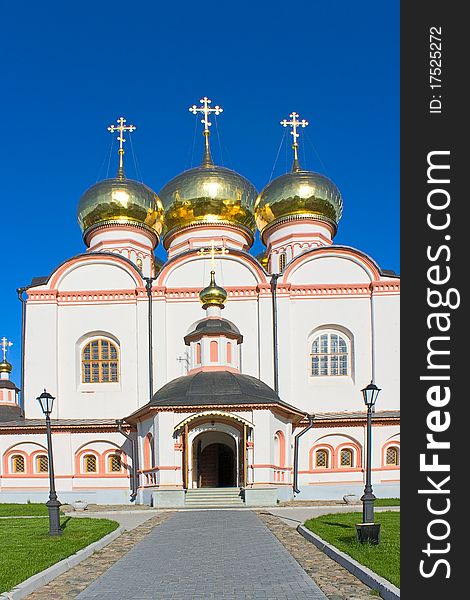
[368,531]
[46,402]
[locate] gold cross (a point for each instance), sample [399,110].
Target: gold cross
[294,123]
[206,110]
[121,139]
[5,345]
[212,250]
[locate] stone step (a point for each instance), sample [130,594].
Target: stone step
[220,492]
[213,497]
[239,501]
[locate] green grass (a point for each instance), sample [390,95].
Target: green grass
[26,547]
[23,510]
[340,531]
[387,502]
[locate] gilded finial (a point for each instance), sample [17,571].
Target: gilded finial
[294,123]
[206,110]
[213,294]
[121,139]
[5,366]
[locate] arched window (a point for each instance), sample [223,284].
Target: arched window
[198,353]
[329,355]
[42,463]
[321,459]
[346,458]
[149,462]
[282,261]
[279,449]
[100,362]
[114,463]
[18,463]
[392,456]
[214,352]
[90,463]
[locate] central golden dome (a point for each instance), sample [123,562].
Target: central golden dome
[208,195]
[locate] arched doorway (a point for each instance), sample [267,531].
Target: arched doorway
[214,455]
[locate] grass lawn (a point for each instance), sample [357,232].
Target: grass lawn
[340,531]
[23,510]
[387,502]
[26,547]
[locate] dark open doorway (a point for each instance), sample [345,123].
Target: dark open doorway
[216,466]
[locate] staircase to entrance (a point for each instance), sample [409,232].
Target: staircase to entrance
[214,498]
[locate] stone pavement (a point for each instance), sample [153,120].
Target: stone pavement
[203,555]
[334,580]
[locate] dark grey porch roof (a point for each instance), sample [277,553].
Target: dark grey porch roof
[217,388]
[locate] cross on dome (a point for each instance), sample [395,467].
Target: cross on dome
[213,250]
[295,123]
[5,344]
[121,128]
[206,110]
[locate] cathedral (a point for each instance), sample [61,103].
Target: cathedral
[216,377]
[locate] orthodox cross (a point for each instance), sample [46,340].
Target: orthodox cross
[294,123]
[5,345]
[206,110]
[213,250]
[121,139]
[184,359]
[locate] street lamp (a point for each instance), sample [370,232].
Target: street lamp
[368,531]
[46,401]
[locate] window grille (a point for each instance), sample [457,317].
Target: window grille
[346,458]
[42,464]
[114,462]
[392,456]
[100,362]
[329,355]
[321,458]
[90,463]
[18,464]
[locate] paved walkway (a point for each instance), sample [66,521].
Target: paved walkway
[206,555]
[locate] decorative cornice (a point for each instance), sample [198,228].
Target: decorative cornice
[16,428]
[125,223]
[172,233]
[294,291]
[298,217]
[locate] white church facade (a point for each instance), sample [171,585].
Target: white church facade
[171,379]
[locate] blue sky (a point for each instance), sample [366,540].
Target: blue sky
[69,70]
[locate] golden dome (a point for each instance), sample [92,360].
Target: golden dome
[299,194]
[213,295]
[120,201]
[5,366]
[206,195]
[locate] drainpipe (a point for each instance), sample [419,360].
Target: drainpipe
[295,487]
[148,286]
[134,480]
[274,278]
[20,291]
